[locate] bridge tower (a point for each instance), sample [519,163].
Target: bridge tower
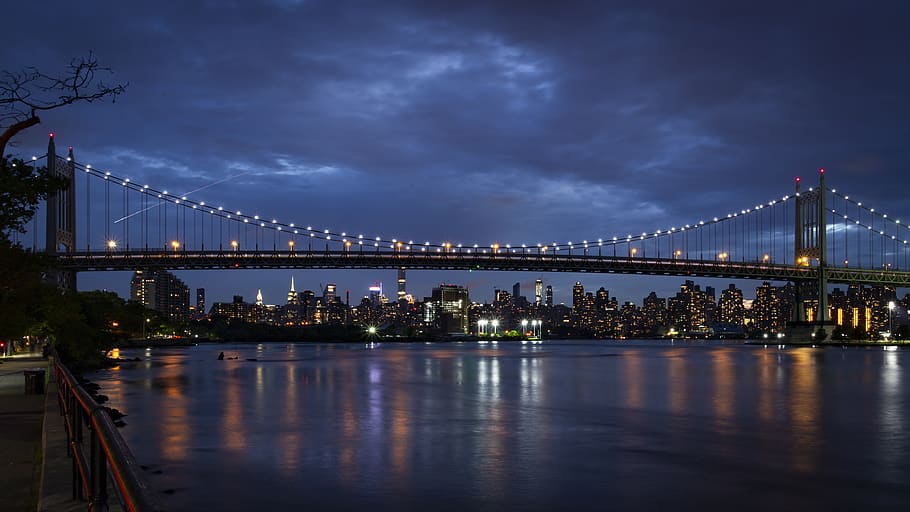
[60,228]
[810,243]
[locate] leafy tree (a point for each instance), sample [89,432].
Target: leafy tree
[22,188]
[25,93]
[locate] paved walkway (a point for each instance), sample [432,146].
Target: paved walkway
[35,471]
[21,423]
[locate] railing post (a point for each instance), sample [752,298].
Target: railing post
[98,478]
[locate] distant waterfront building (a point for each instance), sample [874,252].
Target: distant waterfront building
[200,302]
[162,291]
[402,288]
[549,300]
[328,294]
[538,292]
[447,309]
[767,311]
[292,294]
[730,307]
[237,310]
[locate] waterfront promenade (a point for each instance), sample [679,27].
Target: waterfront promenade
[34,467]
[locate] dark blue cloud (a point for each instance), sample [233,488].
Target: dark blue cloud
[487,121]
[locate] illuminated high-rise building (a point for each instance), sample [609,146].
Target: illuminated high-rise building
[730,309]
[549,299]
[402,291]
[578,293]
[162,291]
[259,297]
[538,292]
[292,294]
[200,302]
[448,308]
[328,294]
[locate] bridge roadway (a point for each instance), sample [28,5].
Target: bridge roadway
[455,260]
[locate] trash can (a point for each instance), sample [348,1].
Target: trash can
[34,381]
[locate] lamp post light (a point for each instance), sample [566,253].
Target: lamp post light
[291,246]
[524,327]
[111,245]
[495,324]
[176,245]
[234,245]
[481,327]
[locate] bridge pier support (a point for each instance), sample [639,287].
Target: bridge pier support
[810,243]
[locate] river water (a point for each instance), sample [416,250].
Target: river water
[507,426]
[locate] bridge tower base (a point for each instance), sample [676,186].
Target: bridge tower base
[60,227]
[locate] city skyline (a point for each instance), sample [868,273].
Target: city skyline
[482,124]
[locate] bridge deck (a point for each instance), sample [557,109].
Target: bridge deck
[212,260]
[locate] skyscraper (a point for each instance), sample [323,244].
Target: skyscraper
[578,293]
[549,296]
[162,291]
[538,292]
[292,294]
[401,285]
[328,294]
[200,302]
[448,308]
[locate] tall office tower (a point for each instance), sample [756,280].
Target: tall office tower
[449,308]
[375,294]
[549,296]
[292,294]
[162,291]
[578,293]
[328,294]
[200,302]
[538,291]
[516,292]
[401,285]
[259,297]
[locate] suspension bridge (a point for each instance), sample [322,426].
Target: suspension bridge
[811,236]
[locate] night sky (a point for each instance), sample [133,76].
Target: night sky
[480,122]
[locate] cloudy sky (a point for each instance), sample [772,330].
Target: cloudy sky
[480,121]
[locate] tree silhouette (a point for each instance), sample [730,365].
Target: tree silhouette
[26,93]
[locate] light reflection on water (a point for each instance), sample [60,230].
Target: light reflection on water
[582,425]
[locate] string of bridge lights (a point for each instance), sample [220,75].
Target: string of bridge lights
[883,216]
[347,240]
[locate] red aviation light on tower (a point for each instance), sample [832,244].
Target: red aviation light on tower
[821,170]
[797,179]
[51,135]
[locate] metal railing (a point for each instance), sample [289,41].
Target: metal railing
[106,451]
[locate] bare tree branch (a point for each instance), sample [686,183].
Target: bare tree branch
[25,93]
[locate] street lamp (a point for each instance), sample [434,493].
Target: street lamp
[234,244]
[111,245]
[290,246]
[495,324]
[633,251]
[524,327]
[175,244]
[481,327]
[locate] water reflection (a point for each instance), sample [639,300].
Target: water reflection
[463,426]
